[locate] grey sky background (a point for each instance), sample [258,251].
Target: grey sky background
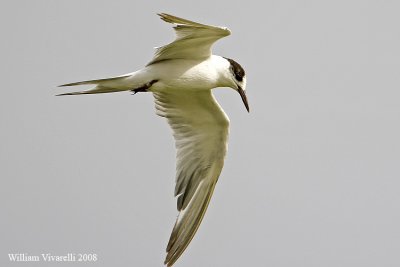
[312,173]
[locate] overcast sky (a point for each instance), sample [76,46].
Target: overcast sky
[312,174]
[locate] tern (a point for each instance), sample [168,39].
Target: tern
[180,76]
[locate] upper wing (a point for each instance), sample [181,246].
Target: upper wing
[200,128]
[193,40]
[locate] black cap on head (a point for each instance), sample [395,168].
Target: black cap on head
[238,71]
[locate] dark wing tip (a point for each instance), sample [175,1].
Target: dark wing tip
[166,17]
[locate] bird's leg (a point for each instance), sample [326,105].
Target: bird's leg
[144,87]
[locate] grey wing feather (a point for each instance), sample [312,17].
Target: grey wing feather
[186,227]
[200,129]
[176,20]
[193,40]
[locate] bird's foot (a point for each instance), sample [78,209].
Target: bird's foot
[144,87]
[140,89]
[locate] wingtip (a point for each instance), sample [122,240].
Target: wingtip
[167,18]
[163,16]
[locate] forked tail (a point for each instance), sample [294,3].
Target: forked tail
[109,85]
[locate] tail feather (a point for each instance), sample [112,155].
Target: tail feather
[97,90]
[108,85]
[96,81]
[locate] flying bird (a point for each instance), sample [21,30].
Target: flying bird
[180,76]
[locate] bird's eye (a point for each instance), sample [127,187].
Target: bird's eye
[238,77]
[237,74]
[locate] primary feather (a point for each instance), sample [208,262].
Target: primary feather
[200,129]
[193,40]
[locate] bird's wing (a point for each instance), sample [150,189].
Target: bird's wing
[200,128]
[193,40]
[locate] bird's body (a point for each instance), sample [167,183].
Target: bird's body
[198,74]
[186,74]
[180,77]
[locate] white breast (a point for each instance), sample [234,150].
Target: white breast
[186,74]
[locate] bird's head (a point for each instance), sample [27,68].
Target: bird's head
[238,80]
